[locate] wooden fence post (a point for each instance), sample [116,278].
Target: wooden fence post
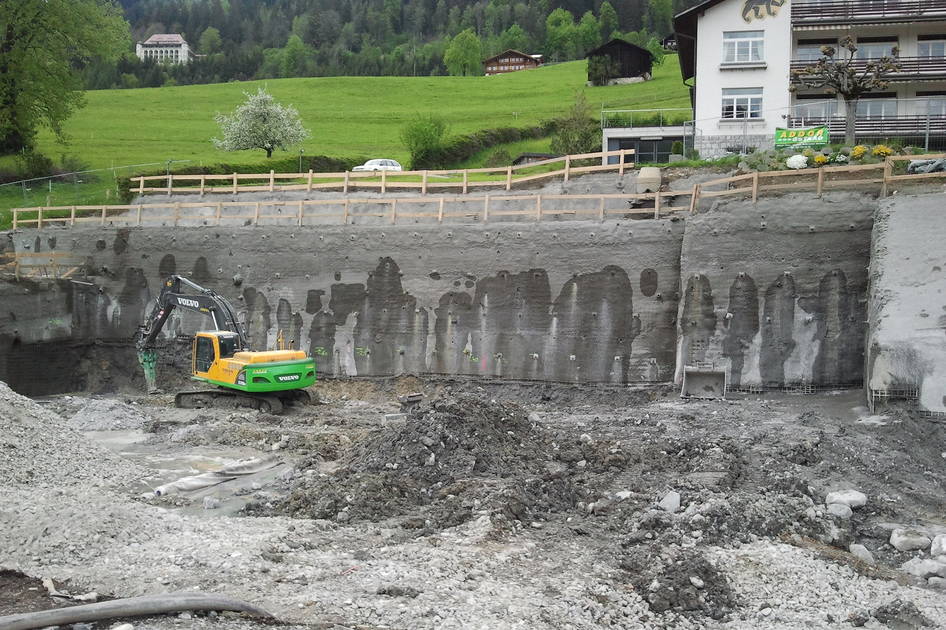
[568,166]
[300,212]
[466,177]
[256,215]
[755,186]
[203,179]
[345,215]
[139,214]
[141,185]
[621,157]
[820,185]
[309,184]
[219,212]
[538,207]
[440,211]
[393,212]
[384,182]
[888,171]
[423,184]
[509,178]
[104,212]
[345,185]
[657,204]
[170,183]
[694,197]
[177,213]
[235,183]
[601,209]
[39,218]
[272,180]
[486,209]
[72,216]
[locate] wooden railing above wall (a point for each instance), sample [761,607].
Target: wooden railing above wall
[381,180]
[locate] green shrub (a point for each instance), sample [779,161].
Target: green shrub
[423,136]
[677,147]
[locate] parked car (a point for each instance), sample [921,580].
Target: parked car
[379,165]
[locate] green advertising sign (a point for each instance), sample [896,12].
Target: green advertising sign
[813,136]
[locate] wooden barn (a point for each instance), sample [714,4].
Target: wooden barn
[510,61]
[630,60]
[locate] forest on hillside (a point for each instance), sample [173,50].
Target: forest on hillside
[261,39]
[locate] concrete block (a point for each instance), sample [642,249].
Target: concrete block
[649,179]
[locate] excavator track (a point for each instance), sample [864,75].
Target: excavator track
[223,399]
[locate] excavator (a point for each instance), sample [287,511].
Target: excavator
[267,380]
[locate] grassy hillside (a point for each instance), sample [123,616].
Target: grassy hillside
[346,116]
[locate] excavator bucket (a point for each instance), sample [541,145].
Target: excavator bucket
[148,359]
[700,382]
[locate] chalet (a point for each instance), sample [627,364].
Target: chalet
[511,61]
[629,60]
[164,48]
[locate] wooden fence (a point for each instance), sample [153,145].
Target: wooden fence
[396,210]
[382,180]
[819,179]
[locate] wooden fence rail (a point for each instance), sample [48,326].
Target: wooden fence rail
[347,211]
[752,184]
[384,181]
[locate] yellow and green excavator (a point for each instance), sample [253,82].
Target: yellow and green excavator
[267,380]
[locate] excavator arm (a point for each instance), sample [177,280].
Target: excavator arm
[179,292]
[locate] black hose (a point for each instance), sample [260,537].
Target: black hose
[130,607]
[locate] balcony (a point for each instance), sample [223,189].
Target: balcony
[905,126]
[630,118]
[911,68]
[844,12]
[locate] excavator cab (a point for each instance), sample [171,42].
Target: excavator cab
[207,350]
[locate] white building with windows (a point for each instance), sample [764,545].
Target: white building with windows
[737,56]
[164,48]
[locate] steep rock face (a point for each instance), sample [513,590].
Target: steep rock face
[906,349]
[776,291]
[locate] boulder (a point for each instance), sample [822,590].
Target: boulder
[938,546]
[840,510]
[862,553]
[924,568]
[850,498]
[908,540]
[670,502]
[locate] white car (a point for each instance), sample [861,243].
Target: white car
[379,165]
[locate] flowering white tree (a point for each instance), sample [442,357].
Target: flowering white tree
[260,123]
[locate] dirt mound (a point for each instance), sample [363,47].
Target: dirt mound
[38,450]
[460,454]
[106,414]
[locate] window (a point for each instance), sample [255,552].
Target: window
[228,346]
[933,103]
[931,49]
[877,106]
[739,103]
[742,47]
[874,50]
[205,354]
[808,52]
[815,106]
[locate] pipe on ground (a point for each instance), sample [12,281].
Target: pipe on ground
[130,607]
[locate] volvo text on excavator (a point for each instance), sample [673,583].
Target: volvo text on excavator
[265,380]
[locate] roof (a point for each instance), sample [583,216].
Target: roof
[600,50]
[684,26]
[165,39]
[512,52]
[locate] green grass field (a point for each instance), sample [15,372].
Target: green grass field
[346,117]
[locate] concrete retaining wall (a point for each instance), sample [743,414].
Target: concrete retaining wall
[906,354]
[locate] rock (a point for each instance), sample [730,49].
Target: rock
[211,503]
[924,568]
[623,495]
[850,498]
[840,510]
[938,547]
[900,614]
[696,581]
[670,502]
[124,626]
[908,539]
[862,553]
[937,582]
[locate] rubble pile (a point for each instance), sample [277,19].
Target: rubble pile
[38,450]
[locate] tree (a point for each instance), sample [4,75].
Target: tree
[423,137]
[608,20]
[43,45]
[260,123]
[850,77]
[602,68]
[560,35]
[588,33]
[210,41]
[515,38]
[464,54]
[577,132]
[294,57]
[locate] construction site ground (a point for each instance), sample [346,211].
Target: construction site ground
[489,505]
